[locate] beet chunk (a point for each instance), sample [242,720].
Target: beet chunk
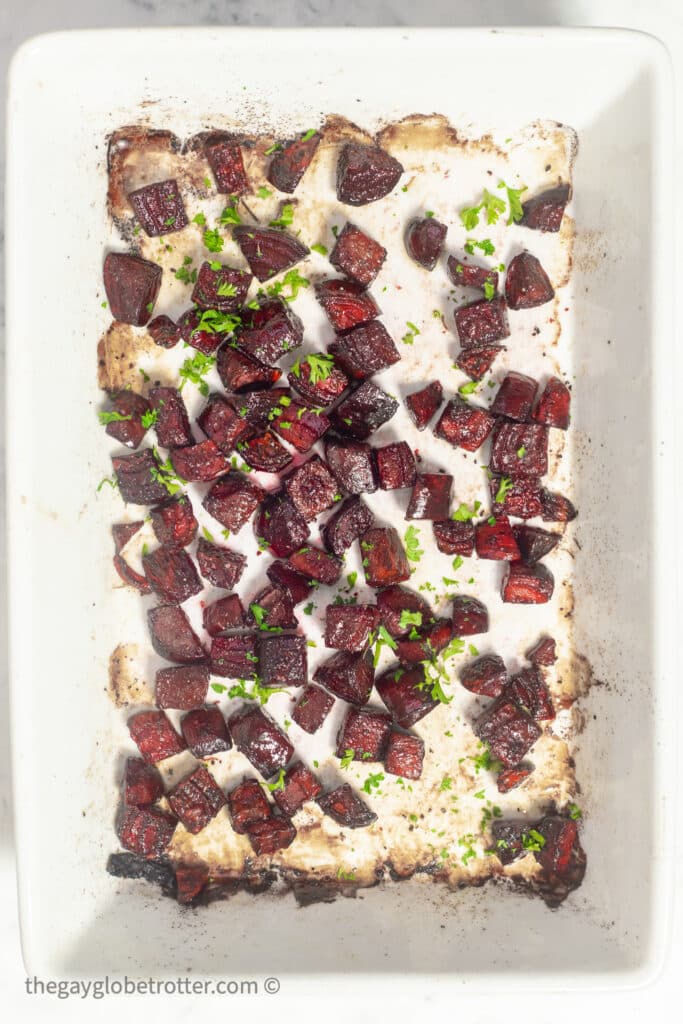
[132,286]
[224,289]
[227,166]
[172,635]
[283,660]
[521,496]
[471,275]
[346,675]
[385,555]
[205,732]
[543,653]
[534,543]
[430,497]
[453,537]
[470,617]
[182,686]
[289,163]
[280,525]
[365,732]
[196,800]
[349,627]
[240,372]
[136,476]
[346,808]
[357,255]
[423,643]
[174,523]
[260,408]
[364,350]
[122,533]
[464,425]
[223,614]
[268,251]
[528,689]
[234,657]
[300,785]
[510,778]
[526,284]
[270,331]
[190,880]
[508,439]
[553,405]
[406,695]
[397,604]
[276,609]
[486,676]
[424,240]
[172,422]
[527,584]
[313,708]
[205,341]
[142,783]
[496,540]
[318,379]
[317,565]
[172,574]
[483,322]
[267,837]
[132,407]
[477,360]
[164,331]
[293,583]
[129,576]
[159,208]
[423,404]
[155,737]
[365,173]
[515,397]
[299,426]
[201,462]
[562,858]
[233,499]
[508,730]
[404,755]
[247,804]
[347,524]
[312,488]
[556,508]
[352,464]
[346,304]
[364,411]
[545,211]
[264,452]
[222,424]
[146,831]
[260,740]
[396,466]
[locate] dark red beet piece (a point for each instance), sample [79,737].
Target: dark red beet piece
[205,732]
[174,523]
[300,785]
[129,576]
[365,173]
[219,565]
[134,474]
[294,583]
[382,549]
[363,411]
[306,378]
[521,496]
[430,497]
[240,372]
[124,532]
[260,740]
[142,783]
[224,289]
[470,617]
[556,508]
[529,690]
[299,426]
[270,331]
[222,424]
[404,755]
[365,732]
[464,425]
[562,858]
[526,283]
[132,286]
[394,601]
[553,405]
[515,397]
[182,686]
[346,304]
[283,660]
[477,360]
[511,778]
[350,627]
[423,404]
[268,251]
[204,341]
[201,462]
[172,635]
[280,525]
[223,614]
[312,488]
[267,837]
[544,212]
[346,675]
[543,653]
[146,831]
[313,708]
[534,543]
[159,208]
[190,880]
[247,804]
[197,800]
[260,408]
[234,657]
[472,275]
[346,808]
[276,608]
[155,737]
[171,574]
[527,584]
[352,464]
[486,676]
[357,255]
[164,332]
[265,453]
[347,524]
[508,730]
[406,695]
[226,163]
[508,439]
[424,240]
[289,163]
[172,422]
[454,538]
[496,540]
[395,466]
[233,499]
[317,565]
[423,643]
[364,350]
[128,431]
[483,322]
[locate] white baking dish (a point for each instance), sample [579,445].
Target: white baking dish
[67,92]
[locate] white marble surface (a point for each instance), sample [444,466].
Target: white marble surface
[20,19]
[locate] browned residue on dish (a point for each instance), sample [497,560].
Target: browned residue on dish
[118,351]
[126,686]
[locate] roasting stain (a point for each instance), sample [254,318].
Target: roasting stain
[131,153]
[337,128]
[118,351]
[430,132]
[589,249]
[126,686]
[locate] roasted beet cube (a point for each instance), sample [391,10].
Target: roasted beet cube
[234,656]
[365,173]
[534,543]
[507,840]
[529,690]
[267,837]
[526,283]
[259,408]
[123,533]
[224,289]
[172,423]
[227,166]
[365,350]
[527,584]
[265,453]
[406,694]
[519,497]
[477,360]
[556,508]
[545,211]
[205,732]
[268,251]
[270,331]
[159,208]
[346,303]
[240,372]
[365,732]
[233,499]
[300,785]
[171,574]
[190,880]
[346,675]
[395,466]
[283,660]
[470,617]
[472,275]
[224,614]
[260,740]
[294,583]
[346,807]
[401,610]
[182,686]
[280,526]
[196,800]
[423,404]
[483,322]
[430,497]
[129,576]
[205,341]
[137,476]
[562,859]
[553,405]
[509,439]
[464,425]
[350,627]
[453,537]
[313,708]
[129,408]
[299,426]
[352,464]
[201,462]
[346,525]
[496,540]
[364,411]
[384,557]
[317,565]
[222,424]
[318,379]
[247,804]
[142,783]
[172,635]
[510,778]
[274,607]
[357,255]
[146,831]
[291,161]
[312,488]
[508,730]
[154,735]
[424,241]
[515,397]
[174,523]
[164,332]
[132,285]
[404,755]
[543,653]
[486,676]
[423,643]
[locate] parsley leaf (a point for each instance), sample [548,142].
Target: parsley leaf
[504,488]
[514,203]
[112,417]
[194,369]
[286,217]
[412,541]
[409,618]
[463,514]
[213,240]
[230,215]
[411,334]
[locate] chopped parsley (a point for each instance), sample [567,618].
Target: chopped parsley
[521,452]
[286,218]
[260,693]
[320,367]
[533,840]
[412,541]
[486,246]
[279,783]
[273,149]
[490,204]
[514,203]
[348,757]
[463,513]
[112,417]
[411,334]
[489,289]
[469,388]
[308,135]
[194,369]
[575,812]
[226,289]
[230,215]
[409,619]
[213,240]
[110,480]
[166,475]
[308,610]
[263,192]
[504,489]
[373,782]
[200,219]
[318,247]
